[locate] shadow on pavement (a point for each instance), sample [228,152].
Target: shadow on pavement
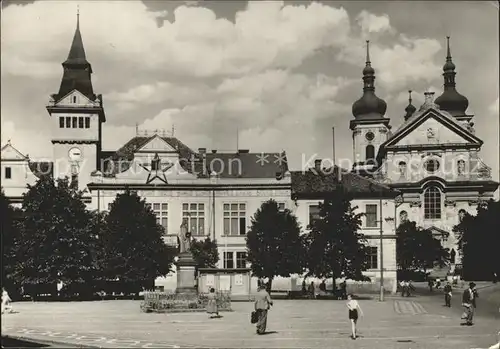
[8,342]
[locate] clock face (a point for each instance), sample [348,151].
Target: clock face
[370,136]
[75,154]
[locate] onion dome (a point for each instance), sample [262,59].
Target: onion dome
[451,101]
[410,108]
[369,106]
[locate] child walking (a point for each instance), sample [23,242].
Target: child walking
[212,304]
[354,312]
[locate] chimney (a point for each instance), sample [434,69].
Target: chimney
[214,151]
[202,150]
[317,165]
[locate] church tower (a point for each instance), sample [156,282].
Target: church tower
[369,128]
[450,100]
[76,117]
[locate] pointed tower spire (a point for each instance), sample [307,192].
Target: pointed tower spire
[451,101]
[77,70]
[410,108]
[369,105]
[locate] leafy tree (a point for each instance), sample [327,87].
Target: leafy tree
[205,253]
[10,234]
[478,242]
[135,252]
[417,249]
[334,245]
[274,243]
[54,241]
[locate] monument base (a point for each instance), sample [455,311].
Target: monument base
[186,274]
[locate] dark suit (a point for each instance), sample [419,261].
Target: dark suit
[469,303]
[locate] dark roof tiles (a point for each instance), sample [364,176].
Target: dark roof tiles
[310,184]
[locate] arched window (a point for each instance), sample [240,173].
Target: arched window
[370,153]
[432,203]
[402,169]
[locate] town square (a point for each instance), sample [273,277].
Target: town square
[250,174]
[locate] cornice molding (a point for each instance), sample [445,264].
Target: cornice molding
[72,141]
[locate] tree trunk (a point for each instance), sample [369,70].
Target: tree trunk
[269,285]
[334,285]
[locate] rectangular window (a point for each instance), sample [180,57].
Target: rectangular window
[87,122]
[228,260]
[372,257]
[313,214]
[371,216]
[235,219]
[75,122]
[8,173]
[241,260]
[161,212]
[61,122]
[194,214]
[80,122]
[68,121]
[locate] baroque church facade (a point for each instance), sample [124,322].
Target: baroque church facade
[216,193]
[432,158]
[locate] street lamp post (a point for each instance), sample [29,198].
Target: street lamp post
[381,253]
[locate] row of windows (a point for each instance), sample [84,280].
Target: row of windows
[230,260]
[371,220]
[74,122]
[234,223]
[432,209]
[431,166]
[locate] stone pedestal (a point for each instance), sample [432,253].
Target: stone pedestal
[186,274]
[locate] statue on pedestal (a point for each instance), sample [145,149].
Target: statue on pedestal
[184,237]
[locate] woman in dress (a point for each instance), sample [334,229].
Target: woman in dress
[354,309]
[212,304]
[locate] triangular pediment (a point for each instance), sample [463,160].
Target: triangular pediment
[431,127]
[156,144]
[75,99]
[438,232]
[11,153]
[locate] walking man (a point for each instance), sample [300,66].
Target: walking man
[263,303]
[447,295]
[469,303]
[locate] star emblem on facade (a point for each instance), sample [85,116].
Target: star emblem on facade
[280,159]
[262,159]
[157,170]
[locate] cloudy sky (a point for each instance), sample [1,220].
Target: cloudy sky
[280,73]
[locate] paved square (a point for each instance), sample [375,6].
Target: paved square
[395,323]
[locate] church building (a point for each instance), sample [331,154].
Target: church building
[432,158]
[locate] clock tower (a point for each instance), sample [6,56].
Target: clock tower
[76,117]
[370,127]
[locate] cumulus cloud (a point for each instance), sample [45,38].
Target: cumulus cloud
[209,76]
[197,43]
[30,142]
[407,61]
[371,23]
